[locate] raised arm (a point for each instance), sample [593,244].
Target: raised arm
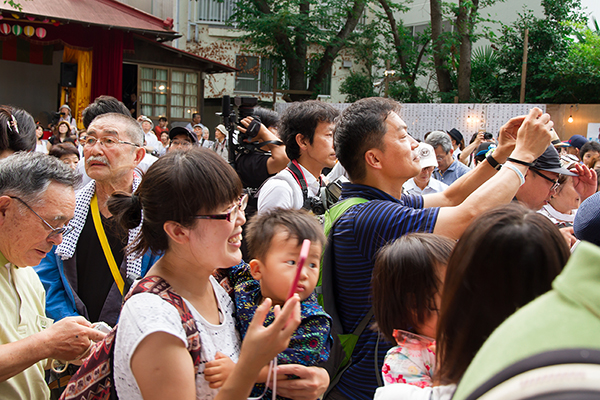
[465,185]
[533,138]
[278,159]
[260,346]
[464,155]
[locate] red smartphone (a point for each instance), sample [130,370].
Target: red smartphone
[303,256]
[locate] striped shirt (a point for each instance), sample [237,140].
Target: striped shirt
[357,235]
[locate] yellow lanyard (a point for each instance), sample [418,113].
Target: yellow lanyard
[105,246]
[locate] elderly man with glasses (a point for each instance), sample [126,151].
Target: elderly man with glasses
[541,182]
[36,201]
[89,272]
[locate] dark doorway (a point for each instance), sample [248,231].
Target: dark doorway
[130,80]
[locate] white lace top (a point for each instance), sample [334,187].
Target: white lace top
[146,313]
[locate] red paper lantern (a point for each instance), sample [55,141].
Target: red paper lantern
[5,29]
[40,32]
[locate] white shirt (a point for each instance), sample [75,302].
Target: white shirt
[152,141]
[42,147]
[556,216]
[146,313]
[146,162]
[282,190]
[434,186]
[405,391]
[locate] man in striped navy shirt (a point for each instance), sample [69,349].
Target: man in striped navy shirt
[373,144]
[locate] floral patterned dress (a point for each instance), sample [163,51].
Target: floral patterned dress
[412,361]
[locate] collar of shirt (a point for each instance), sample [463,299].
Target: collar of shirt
[366,192]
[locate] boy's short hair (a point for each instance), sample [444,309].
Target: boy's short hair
[589,146]
[297,223]
[303,118]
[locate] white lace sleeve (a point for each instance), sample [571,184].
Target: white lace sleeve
[142,315]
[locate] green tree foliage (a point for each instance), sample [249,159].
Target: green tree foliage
[357,86]
[560,69]
[14,4]
[286,31]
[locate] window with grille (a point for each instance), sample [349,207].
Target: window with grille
[169,92]
[255,74]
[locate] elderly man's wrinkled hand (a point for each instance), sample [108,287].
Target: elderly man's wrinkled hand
[70,337]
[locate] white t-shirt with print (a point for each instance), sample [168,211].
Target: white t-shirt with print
[146,313]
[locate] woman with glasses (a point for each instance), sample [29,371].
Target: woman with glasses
[192,209]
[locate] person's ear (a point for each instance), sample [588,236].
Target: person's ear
[176,232]
[372,158]
[302,141]
[4,203]
[140,152]
[256,269]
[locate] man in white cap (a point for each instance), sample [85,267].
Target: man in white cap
[424,183]
[220,146]
[152,142]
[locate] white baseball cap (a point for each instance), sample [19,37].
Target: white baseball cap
[427,155]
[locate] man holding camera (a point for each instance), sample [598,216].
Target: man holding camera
[306,129]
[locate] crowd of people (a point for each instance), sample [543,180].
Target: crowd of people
[373,265]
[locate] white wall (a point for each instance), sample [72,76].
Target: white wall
[32,87]
[467,118]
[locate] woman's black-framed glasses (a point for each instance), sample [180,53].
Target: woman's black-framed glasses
[231,214]
[63,230]
[555,183]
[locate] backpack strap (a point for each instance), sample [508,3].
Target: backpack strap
[324,287]
[344,343]
[160,287]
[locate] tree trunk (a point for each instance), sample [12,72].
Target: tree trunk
[297,64]
[334,47]
[441,69]
[465,22]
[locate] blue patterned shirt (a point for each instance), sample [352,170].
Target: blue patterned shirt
[454,171]
[356,237]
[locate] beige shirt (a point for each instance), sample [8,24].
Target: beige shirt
[22,314]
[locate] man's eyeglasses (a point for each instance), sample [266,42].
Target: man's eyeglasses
[182,143]
[555,183]
[63,230]
[107,142]
[231,214]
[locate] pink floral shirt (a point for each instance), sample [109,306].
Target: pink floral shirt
[412,361]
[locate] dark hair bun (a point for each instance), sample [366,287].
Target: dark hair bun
[126,209]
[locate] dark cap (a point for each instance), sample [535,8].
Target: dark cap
[550,161]
[576,141]
[456,135]
[587,220]
[180,130]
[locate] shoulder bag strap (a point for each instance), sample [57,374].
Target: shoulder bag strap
[114,269]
